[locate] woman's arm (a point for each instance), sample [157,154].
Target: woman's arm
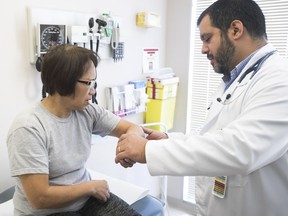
[41,195]
[126,127]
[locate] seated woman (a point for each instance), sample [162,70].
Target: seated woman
[49,144]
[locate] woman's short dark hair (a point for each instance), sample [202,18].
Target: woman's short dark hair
[63,65]
[223,12]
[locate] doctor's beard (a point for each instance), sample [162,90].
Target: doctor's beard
[224,56]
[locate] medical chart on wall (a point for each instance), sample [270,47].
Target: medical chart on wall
[150,60]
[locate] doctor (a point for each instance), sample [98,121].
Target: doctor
[240,155]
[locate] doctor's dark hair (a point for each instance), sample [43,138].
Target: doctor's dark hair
[63,65]
[223,12]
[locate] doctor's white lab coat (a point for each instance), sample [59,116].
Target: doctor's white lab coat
[244,138]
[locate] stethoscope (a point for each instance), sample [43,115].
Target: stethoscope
[253,69]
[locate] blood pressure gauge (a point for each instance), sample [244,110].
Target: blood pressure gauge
[50,35]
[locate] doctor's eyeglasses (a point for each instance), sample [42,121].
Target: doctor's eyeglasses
[91,84]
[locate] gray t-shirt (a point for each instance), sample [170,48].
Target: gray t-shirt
[40,142]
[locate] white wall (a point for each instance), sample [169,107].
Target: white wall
[178,53]
[20,84]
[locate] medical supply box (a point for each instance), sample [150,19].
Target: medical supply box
[161,93]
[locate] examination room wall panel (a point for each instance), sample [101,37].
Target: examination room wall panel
[20,83]
[178,57]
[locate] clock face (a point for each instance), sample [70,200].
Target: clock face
[51,35]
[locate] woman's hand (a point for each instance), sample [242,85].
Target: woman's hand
[153,134]
[100,190]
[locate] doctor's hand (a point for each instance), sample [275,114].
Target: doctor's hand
[131,147]
[126,162]
[154,134]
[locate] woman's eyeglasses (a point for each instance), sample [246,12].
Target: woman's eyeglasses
[92,84]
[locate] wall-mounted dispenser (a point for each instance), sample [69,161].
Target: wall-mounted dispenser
[147,19]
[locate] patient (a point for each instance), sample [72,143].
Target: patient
[49,144]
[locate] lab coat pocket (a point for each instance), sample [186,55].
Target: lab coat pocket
[237,183]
